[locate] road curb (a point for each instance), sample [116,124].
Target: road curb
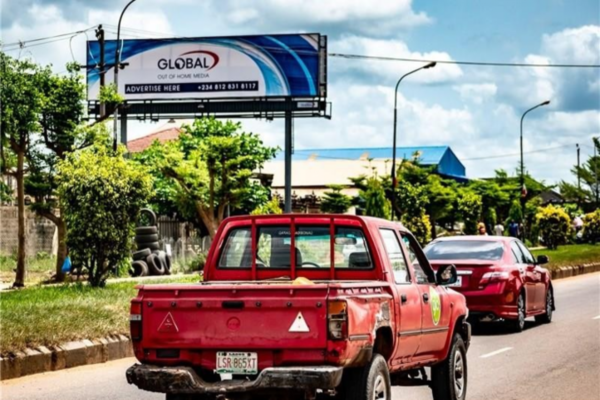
[67,355]
[569,271]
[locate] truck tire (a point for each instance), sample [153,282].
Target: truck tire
[546,318]
[139,268]
[517,325]
[155,265]
[153,237]
[369,382]
[151,215]
[146,230]
[449,378]
[141,254]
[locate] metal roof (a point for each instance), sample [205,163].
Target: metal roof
[442,157]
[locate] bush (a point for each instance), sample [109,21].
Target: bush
[101,194]
[554,225]
[419,226]
[270,207]
[591,227]
[334,201]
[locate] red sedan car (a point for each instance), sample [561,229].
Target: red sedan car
[499,277]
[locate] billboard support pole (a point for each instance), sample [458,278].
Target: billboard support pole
[124,125]
[288,162]
[102,65]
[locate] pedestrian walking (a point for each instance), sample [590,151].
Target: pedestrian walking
[513,229]
[499,229]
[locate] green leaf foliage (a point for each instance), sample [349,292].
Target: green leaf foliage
[270,207]
[554,226]
[334,201]
[101,194]
[591,227]
[208,168]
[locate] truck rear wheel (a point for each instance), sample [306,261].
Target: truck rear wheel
[371,382]
[449,378]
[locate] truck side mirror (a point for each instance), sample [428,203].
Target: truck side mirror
[446,275]
[541,260]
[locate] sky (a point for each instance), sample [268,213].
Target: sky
[474,109]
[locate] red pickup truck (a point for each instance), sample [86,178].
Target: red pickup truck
[302,307]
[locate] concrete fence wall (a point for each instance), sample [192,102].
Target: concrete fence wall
[40,233]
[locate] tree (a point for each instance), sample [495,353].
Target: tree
[61,131]
[589,174]
[21,101]
[210,166]
[372,197]
[102,194]
[468,209]
[334,201]
[270,207]
[441,196]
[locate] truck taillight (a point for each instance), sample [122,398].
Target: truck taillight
[490,277]
[337,319]
[135,320]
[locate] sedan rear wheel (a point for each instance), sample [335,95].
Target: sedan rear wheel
[517,325]
[547,317]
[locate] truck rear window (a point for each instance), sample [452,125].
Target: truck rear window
[312,248]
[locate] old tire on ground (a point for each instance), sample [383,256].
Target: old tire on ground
[150,214]
[546,318]
[141,254]
[155,265]
[139,268]
[449,378]
[146,238]
[146,230]
[517,325]
[165,259]
[153,246]
[369,382]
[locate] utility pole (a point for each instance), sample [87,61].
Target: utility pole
[102,65]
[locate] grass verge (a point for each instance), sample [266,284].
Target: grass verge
[571,255]
[48,316]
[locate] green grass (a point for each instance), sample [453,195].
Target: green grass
[39,268]
[571,255]
[52,315]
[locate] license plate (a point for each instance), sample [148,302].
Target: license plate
[237,363]
[458,282]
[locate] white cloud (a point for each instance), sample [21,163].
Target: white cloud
[476,92]
[332,17]
[391,69]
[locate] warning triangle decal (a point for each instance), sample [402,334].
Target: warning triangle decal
[168,325]
[299,324]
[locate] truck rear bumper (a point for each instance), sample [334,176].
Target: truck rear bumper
[184,380]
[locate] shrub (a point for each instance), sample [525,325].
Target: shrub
[419,226]
[270,207]
[554,225]
[591,227]
[101,194]
[334,201]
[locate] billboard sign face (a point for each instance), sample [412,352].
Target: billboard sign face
[211,68]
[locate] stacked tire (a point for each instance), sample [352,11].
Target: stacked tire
[149,259]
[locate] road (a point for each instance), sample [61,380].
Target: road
[559,361]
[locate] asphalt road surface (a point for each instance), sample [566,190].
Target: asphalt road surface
[559,361]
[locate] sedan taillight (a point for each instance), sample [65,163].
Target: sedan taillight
[490,277]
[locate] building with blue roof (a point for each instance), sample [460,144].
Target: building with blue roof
[313,170]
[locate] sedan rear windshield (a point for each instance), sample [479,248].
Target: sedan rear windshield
[464,250]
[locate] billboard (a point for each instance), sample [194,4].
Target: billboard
[212,68]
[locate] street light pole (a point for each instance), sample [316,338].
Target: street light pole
[430,65]
[523,189]
[116,73]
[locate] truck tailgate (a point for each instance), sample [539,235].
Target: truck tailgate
[231,317]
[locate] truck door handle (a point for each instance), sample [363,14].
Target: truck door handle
[403,298]
[425,297]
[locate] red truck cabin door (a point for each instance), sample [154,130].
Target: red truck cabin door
[435,306]
[408,299]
